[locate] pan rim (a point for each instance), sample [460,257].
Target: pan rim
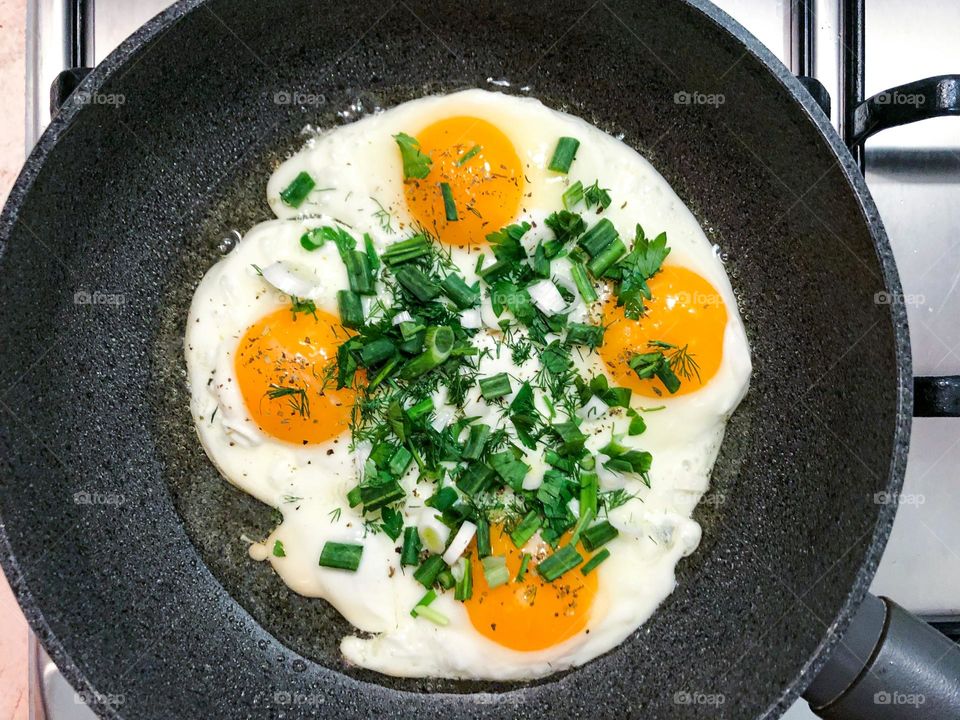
[139,44]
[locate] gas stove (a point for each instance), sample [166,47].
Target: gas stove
[913,173]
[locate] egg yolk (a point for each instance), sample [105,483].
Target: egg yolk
[282,365]
[685,311]
[486,184]
[532,614]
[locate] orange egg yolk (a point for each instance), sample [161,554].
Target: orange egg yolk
[282,365]
[532,614]
[685,311]
[486,186]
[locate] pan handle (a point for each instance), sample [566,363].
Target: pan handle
[937,96]
[890,666]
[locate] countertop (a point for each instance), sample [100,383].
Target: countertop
[13,627]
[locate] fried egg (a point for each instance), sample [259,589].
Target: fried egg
[264,330]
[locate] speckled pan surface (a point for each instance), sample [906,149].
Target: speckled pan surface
[123,544]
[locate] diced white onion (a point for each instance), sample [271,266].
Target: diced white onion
[433,533]
[531,481]
[459,543]
[402,317]
[442,418]
[593,409]
[574,506]
[547,298]
[488,316]
[471,319]
[292,279]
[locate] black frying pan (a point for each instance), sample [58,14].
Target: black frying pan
[122,542]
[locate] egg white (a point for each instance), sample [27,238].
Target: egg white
[358,175]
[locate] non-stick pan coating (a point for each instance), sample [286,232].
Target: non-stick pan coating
[141,588]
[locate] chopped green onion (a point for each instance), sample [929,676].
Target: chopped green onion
[422,408]
[377,352]
[474,479]
[416,282]
[583,334]
[377,496]
[495,571]
[589,489]
[429,613]
[526,528]
[467,155]
[585,517]
[524,563]
[404,251]
[476,441]
[464,588]
[416,163]
[573,195]
[594,561]
[562,561]
[438,344]
[442,499]
[429,569]
[296,192]
[596,239]
[464,296]
[343,556]
[600,534]
[313,239]
[497,270]
[510,470]
[483,538]
[400,462]
[359,274]
[410,554]
[495,386]
[381,453]
[449,206]
[278,550]
[564,154]
[351,309]
[446,579]
[371,252]
[599,264]
[583,283]
[571,436]
[353,497]
[428,597]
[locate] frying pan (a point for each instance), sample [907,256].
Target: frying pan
[123,544]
